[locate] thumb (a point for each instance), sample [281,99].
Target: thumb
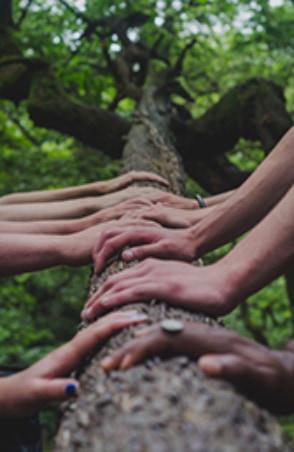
[59,389]
[228,366]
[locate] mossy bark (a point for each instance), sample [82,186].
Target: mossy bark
[160,406]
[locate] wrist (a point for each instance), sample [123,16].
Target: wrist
[68,250]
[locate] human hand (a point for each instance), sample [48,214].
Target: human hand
[196,288]
[76,249]
[28,391]
[153,195]
[166,216]
[125,209]
[150,240]
[131,177]
[263,375]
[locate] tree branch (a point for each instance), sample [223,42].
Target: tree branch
[254,110]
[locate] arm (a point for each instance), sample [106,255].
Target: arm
[31,252]
[217,199]
[91,189]
[216,289]
[48,380]
[264,375]
[252,201]
[70,226]
[224,222]
[77,208]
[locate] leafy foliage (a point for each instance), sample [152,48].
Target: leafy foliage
[235,40]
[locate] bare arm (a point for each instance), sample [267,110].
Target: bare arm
[264,375]
[217,199]
[216,289]
[252,201]
[70,226]
[77,208]
[80,191]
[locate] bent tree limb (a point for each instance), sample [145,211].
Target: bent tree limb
[253,110]
[166,406]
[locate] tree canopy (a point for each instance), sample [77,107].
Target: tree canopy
[71,75]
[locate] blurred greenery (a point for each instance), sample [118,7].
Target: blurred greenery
[235,40]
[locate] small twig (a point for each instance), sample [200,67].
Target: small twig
[24,13]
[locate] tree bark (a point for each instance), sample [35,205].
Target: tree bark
[160,406]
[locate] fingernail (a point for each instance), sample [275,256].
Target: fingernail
[210,366]
[105,301]
[128,255]
[71,390]
[106,363]
[139,316]
[125,362]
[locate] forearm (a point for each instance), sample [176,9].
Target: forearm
[53,227]
[29,252]
[262,255]
[217,199]
[69,209]
[91,189]
[252,201]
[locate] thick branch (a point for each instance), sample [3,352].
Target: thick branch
[49,106]
[163,406]
[254,110]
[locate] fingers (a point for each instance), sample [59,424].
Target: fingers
[113,280]
[138,292]
[57,390]
[152,342]
[228,366]
[143,251]
[147,176]
[113,241]
[66,358]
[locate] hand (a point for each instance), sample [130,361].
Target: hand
[125,209]
[76,249]
[264,375]
[28,391]
[196,288]
[166,216]
[151,240]
[129,178]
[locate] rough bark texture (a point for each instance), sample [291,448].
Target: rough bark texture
[161,406]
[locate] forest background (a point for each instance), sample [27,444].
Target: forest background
[235,40]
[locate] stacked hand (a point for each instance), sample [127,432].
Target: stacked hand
[196,288]
[129,178]
[264,375]
[30,390]
[150,240]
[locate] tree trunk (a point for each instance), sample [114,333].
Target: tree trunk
[160,406]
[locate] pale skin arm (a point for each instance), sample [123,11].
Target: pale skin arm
[70,226]
[216,289]
[252,201]
[31,252]
[78,208]
[222,223]
[218,199]
[48,380]
[264,375]
[91,189]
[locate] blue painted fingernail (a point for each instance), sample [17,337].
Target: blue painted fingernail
[71,390]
